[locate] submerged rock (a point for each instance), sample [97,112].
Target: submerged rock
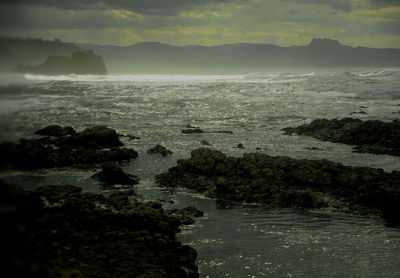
[95,145]
[222,131]
[368,136]
[58,231]
[158,149]
[192,130]
[283,181]
[205,143]
[186,215]
[112,173]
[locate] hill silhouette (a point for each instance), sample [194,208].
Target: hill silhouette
[156,57]
[81,62]
[32,51]
[153,57]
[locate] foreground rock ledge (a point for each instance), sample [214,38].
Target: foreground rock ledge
[368,136]
[64,147]
[283,181]
[58,231]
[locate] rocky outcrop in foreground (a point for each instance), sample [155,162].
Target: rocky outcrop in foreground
[111,174]
[158,149]
[62,147]
[283,181]
[368,136]
[58,231]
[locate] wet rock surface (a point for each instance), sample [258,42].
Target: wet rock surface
[112,174]
[56,131]
[58,231]
[158,149]
[96,137]
[186,215]
[192,130]
[94,145]
[368,136]
[283,181]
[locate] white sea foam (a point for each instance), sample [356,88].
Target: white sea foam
[137,78]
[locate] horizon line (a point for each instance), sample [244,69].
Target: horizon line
[188,45]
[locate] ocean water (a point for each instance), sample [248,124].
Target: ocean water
[232,240]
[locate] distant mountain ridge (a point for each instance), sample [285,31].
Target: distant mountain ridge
[153,57]
[156,57]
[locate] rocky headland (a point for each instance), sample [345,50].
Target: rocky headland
[287,182]
[81,62]
[59,231]
[375,137]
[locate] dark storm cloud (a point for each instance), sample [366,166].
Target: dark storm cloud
[389,2]
[139,6]
[341,5]
[57,19]
[383,3]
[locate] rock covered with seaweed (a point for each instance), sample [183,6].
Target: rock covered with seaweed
[283,181]
[59,231]
[368,136]
[65,147]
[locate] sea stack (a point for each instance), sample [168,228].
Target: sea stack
[81,62]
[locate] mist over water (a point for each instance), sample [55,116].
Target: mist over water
[234,240]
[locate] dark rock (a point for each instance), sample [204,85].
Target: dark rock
[222,131]
[359,112]
[205,143]
[158,149]
[56,131]
[368,136]
[132,137]
[112,173]
[82,148]
[288,182]
[240,146]
[62,232]
[186,216]
[312,149]
[96,137]
[55,193]
[82,62]
[192,130]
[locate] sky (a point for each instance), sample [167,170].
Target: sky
[372,23]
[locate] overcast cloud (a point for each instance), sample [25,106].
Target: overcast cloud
[374,23]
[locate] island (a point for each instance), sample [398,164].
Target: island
[82,62]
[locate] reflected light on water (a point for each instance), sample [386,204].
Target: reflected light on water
[137,77]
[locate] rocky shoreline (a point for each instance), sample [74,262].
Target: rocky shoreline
[59,231]
[61,147]
[375,137]
[287,182]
